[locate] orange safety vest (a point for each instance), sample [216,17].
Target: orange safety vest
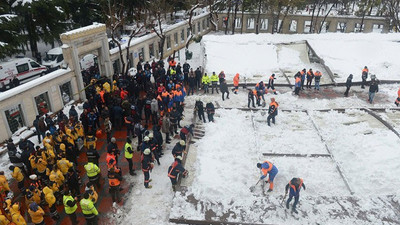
[294,187]
[174,164]
[108,159]
[318,74]
[398,93]
[112,180]
[265,171]
[365,70]
[236,80]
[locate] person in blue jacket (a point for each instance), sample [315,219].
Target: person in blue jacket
[268,168]
[295,185]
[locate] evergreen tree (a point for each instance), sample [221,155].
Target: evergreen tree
[11,42]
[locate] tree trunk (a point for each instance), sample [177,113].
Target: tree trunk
[162,42]
[242,19]
[283,19]
[32,36]
[277,18]
[227,18]
[323,21]
[316,17]
[312,15]
[258,17]
[234,17]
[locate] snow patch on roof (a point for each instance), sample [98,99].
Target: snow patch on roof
[82,29]
[23,87]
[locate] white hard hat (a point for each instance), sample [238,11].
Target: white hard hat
[147,151]
[179,157]
[182,142]
[146,138]
[151,135]
[33,177]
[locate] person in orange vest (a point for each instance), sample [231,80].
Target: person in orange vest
[295,186]
[364,76]
[268,168]
[398,98]
[147,166]
[317,76]
[272,111]
[114,180]
[236,83]
[175,169]
[297,83]
[271,83]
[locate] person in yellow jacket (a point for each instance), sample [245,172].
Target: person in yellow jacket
[205,80]
[48,139]
[214,82]
[49,151]
[93,173]
[18,176]
[88,209]
[36,213]
[3,219]
[4,183]
[107,87]
[51,200]
[56,175]
[90,140]
[62,148]
[64,164]
[16,216]
[92,192]
[70,206]
[81,135]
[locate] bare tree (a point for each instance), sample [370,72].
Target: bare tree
[115,22]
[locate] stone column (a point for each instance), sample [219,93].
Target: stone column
[78,74]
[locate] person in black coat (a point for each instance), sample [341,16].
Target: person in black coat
[373,88]
[72,179]
[192,82]
[176,169]
[199,107]
[348,84]
[198,77]
[224,89]
[159,139]
[210,111]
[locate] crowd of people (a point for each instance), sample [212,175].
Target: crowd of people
[149,104]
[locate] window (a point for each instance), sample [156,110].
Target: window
[66,92]
[324,27]
[23,68]
[358,28]
[42,103]
[168,41]
[34,65]
[264,24]
[250,23]
[15,118]
[176,38]
[198,27]
[341,27]
[293,26]
[377,28]
[151,51]
[182,35]
[116,66]
[307,25]
[238,23]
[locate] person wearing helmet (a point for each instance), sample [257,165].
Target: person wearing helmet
[147,165]
[236,83]
[295,186]
[179,148]
[271,83]
[174,170]
[268,168]
[145,143]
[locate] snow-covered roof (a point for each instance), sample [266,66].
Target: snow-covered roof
[83,29]
[55,51]
[23,87]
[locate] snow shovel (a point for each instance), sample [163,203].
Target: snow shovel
[283,200]
[254,186]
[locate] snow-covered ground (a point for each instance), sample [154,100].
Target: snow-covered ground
[261,55]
